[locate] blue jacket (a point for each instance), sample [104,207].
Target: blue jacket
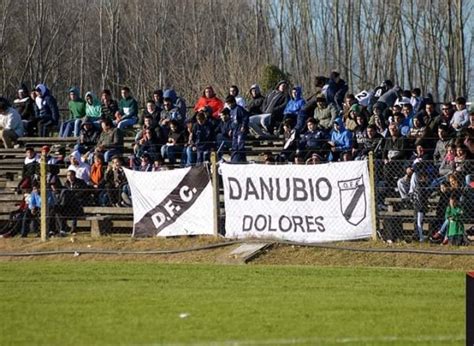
[342,138]
[239,117]
[313,140]
[294,106]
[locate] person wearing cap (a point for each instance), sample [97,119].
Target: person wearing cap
[77,111]
[11,126]
[255,104]
[24,104]
[262,125]
[46,109]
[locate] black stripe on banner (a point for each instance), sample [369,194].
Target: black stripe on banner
[175,204]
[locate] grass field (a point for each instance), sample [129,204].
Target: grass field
[52,302]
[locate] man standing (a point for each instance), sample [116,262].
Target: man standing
[11,126]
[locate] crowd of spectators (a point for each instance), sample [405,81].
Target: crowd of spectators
[420,145]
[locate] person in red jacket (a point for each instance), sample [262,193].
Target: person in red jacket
[209,99]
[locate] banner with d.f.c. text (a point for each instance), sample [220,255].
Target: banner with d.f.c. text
[171,203]
[310,204]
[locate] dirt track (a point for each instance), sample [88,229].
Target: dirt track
[278,254]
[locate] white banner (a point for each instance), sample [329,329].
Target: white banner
[171,203]
[311,204]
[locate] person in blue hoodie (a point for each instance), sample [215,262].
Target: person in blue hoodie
[294,107]
[46,109]
[178,102]
[341,140]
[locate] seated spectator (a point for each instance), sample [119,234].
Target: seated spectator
[148,140]
[314,159]
[234,91]
[11,126]
[72,197]
[209,99]
[109,107]
[46,109]
[158,96]
[110,141]
[168,114]
[224,134]
[393,154]
[77,112]
[460,118]
[341,140]
[178,102]
[463,163]
[201,141]
[115,184]
[366,141]
[145,164]
[93,108]
[175,144]
[256,101]
[127,114]
[314,140]
[262,125]
[350,122]
[291,141]
[88,138]
[448,164]
[294,106]
[443,141]
[24,104]
[97,177]
[150,111]
[81,168]
[325,113]
[418,133]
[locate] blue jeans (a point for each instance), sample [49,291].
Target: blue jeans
[171,152]
[126,123]
[66,128]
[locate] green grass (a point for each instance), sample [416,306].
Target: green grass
[81,303]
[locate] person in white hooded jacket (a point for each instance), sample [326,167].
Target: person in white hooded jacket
[82,169]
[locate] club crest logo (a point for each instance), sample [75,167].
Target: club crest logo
[352,200]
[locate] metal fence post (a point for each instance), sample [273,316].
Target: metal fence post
[373,209]
[44,198]
[215,192]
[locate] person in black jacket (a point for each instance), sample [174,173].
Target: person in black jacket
[240,122]
[262,125]
[24,104]
[255,104]
[46,110]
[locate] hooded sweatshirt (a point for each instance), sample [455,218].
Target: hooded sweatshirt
[178,102]
[94,110]
[341,138]
[82,169]
[294,106]
[46,105]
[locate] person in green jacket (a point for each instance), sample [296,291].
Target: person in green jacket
[454,215]
[127,114]
[77,111]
